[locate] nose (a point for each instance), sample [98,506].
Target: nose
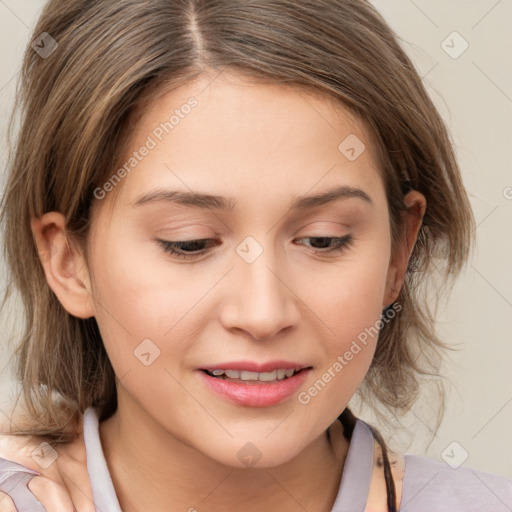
[260,297]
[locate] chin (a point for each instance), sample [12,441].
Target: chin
[262,454]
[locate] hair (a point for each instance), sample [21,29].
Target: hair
[79,106]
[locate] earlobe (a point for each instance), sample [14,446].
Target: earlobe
[416,204]
[64,268]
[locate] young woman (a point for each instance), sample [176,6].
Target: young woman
[220,217]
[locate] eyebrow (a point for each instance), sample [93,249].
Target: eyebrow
[215,202]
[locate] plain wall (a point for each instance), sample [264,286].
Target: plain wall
[474,95]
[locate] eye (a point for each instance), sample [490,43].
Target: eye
[187,249]
[335,244]
[190,249]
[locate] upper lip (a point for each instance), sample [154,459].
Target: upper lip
[252,366]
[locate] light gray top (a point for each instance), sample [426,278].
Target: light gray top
[427,485]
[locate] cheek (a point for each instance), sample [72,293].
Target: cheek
[137,300]
[348,295]
[349,303]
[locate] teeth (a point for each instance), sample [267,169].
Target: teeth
[279,374]
[266,376]
[232,374]
[248,375]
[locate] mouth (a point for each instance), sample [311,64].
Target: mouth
[252,377]
[245,384]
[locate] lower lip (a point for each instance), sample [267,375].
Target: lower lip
[256,394]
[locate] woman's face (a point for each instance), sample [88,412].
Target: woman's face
[271,178]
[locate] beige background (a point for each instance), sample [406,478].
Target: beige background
[474,94]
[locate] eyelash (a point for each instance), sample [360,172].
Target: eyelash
[340,244]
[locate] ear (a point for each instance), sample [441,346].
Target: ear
[416,207]
[65,269]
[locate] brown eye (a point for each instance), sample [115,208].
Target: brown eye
[186,249]
[334,244]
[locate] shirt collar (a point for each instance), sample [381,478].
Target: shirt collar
[101,483]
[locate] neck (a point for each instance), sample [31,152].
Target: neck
[151,469]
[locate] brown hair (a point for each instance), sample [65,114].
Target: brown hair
[78,107]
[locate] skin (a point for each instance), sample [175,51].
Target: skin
[172,440]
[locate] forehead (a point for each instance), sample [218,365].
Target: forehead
[231,136]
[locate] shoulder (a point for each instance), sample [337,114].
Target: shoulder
[59,468]
[430,485]
[28,451]
[45,457]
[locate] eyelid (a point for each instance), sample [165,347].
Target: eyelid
[340,225]
[339,245]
